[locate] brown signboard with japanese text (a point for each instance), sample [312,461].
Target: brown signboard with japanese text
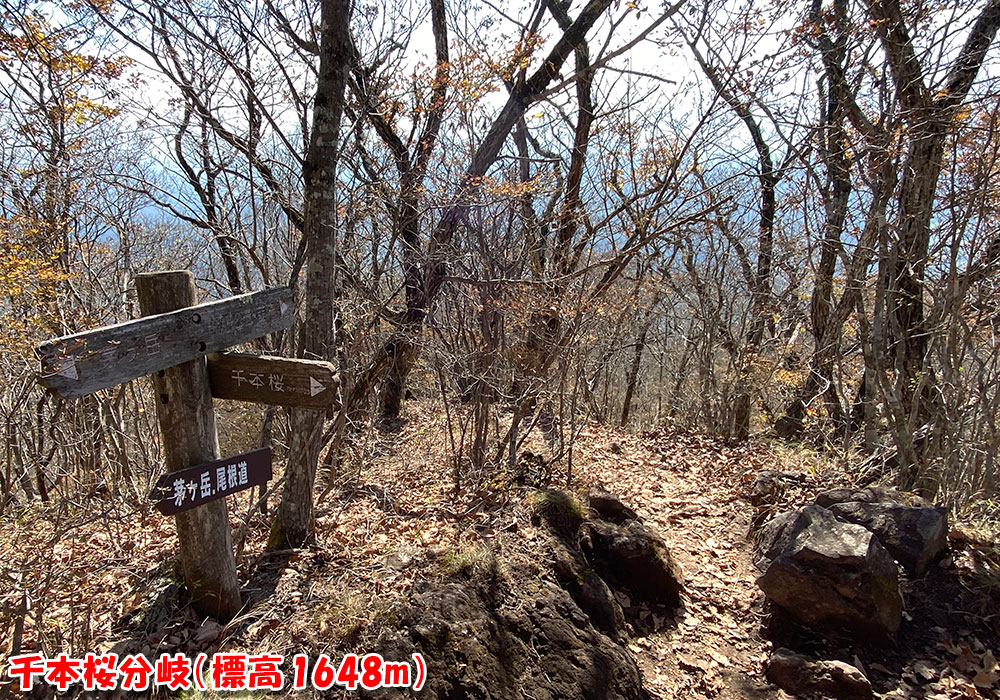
[278,381]
[182,490]
[80,364]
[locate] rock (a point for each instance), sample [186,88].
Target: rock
[835,577]
[915,536]
[208,633]
[788,428]
[634,558]
[609,508]
[770,485]
[964,534]
[398,560]
[799,676]
[539,645]
[615,568]
[590,592]
[560,511]
[871,494]
[776,534]
[532,470]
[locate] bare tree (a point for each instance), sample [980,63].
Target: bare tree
[292,519]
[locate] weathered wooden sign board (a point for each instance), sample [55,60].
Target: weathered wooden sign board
[273,380]
[182,490]
[80,364]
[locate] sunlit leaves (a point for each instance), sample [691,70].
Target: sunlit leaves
[27,282]
[59,88]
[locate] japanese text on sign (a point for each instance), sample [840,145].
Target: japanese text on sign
[231,477]
[187,488]
[274,382]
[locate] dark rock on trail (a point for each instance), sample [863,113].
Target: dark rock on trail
[541,646]
[777,534]
[613,552]
[788,428]
[835,577]
[515,636]
[871,494]
[590,592]
[915,536]
[609,508]
[801,677]
[633,558]
[560,512]
[770,485]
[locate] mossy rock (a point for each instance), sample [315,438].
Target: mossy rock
[560,511]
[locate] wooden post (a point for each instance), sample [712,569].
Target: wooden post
[187,425]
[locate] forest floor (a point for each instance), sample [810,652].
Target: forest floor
[391,518]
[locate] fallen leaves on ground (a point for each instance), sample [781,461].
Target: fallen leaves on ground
[393,516]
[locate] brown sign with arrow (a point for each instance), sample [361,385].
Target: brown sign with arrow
[80,364]
[278,381]
[184,489]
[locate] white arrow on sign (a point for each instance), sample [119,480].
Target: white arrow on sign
[315,387]
[67,368]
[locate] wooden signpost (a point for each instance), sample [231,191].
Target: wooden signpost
[273,380]
[170,343]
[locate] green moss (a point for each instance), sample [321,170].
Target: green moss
[559,510]
[345,618]
[466,563]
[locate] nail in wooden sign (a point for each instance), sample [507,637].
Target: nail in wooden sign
[273,380]
[80,364]
[184,489]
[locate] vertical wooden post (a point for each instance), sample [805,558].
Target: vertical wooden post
[187,425]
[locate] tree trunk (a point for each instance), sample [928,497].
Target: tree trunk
[412,170]
[398,355]
[760,297]
[929,117]
[633,374]
[294,513]
[921,171]
[825,327]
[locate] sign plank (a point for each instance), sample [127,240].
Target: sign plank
[184,489]
[80,364]
[273,380]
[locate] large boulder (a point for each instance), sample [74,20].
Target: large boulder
[634,558]
[802,677]
[869,494]
[590,591]
[540,646]
[559,511]
[618,570]
[769,486]
[609,507]
[915,536]
[777,534]
[833,576]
